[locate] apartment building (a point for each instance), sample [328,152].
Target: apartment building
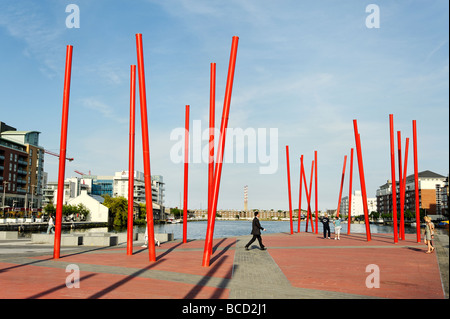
[21,168]
[433,188]
[357,208]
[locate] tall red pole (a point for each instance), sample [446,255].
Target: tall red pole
[362,179]
[400,181]
[316,194]
[308,197]
[212,112]
[131,160]
[62,153]
[404,178]
[289,188]
[342,185]
[416,180]
[186,164]
[145,148]
[349,218]
[300,195]
[218,169]
[394,184]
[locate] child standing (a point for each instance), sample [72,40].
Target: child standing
[337,228]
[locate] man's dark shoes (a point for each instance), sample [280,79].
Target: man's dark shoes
[264,248]
[246,248]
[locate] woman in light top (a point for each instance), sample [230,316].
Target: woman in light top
[337,228]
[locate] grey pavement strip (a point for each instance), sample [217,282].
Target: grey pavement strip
[257,276]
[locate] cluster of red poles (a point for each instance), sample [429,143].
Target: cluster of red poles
[402,183]
[214,174]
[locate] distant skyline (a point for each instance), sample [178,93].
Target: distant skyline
[304,69]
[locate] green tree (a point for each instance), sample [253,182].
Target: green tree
[374,215]
[118,209]
[177,213]
[50,209]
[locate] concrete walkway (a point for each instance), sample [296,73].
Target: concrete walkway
[299,266]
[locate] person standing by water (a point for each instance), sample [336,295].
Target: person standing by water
[146,239]
[337,228]
[326,226]
[256,232]
[51,225]
[429,234]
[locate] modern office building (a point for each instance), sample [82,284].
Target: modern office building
[120,187]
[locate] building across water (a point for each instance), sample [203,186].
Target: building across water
[433,194]
[22,174]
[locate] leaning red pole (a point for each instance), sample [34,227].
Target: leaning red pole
[349,215]
[308,197]
[316,194]
[221,147]
[62,153]
[212,112]
[362,179]
[342,185]
[131,160]
[394,184]
[186,169]
[416,180]
[400,182]
[404,177]
[289,189]
[300,195]
[145,148]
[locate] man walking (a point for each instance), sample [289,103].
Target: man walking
[256,232]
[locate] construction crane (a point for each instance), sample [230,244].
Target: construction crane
[81,173]
[57,155]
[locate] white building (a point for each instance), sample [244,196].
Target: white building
[120,187]
[357,205]
[72,188]
[97,211]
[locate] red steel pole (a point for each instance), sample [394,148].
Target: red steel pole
[131,160]
[342,185]
[221,147]
[145,148]
[300,195]
[186,163]
[394,184]
[349,215]
[362,179]
[308,197]
[416,180]
[289,188]
[400,181]
[212,112]
[316,195]
[62,153]
[404,178]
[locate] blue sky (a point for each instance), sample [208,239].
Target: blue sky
[307,68]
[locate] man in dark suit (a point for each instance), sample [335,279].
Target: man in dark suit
[256,232]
